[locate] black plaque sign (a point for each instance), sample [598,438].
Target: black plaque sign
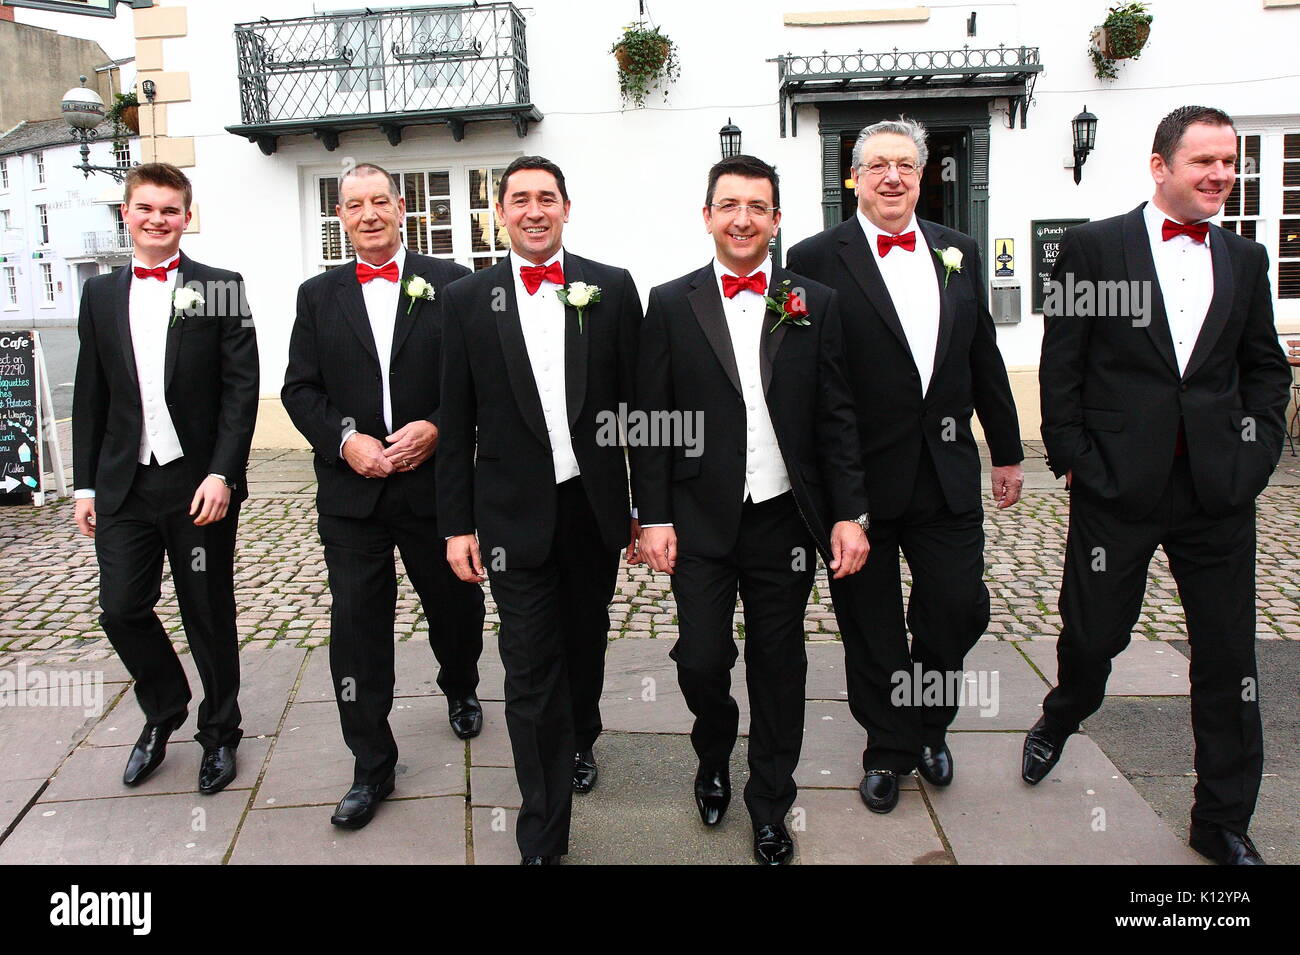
[1045,237]
[20,468]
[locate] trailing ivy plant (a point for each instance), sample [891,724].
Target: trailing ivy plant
[647,60]
[115,113]
[1126,28]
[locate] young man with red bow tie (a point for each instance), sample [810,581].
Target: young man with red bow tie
[754,353]
[1166,422]
[162,419]
[362,387]
[532,490]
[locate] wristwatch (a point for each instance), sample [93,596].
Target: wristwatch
[863,521]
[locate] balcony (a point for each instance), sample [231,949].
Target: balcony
[415,66]
[1008,71]
[109,242]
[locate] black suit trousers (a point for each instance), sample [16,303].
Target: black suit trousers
[554,631]
[363,588]
[1212,560]
[154,520]
[947,612]
[771,566]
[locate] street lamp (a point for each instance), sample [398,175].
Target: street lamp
[1084,127]
[83,110]
[729,137]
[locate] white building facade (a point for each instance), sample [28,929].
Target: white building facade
[266,103]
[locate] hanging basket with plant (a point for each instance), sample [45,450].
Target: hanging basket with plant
[124,114]
[647,60]
[1121,36]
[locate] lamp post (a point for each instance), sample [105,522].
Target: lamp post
[1084,128]
[83,110]
[729,138]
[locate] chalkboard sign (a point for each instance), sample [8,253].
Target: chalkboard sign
[20,446]
[1045,237]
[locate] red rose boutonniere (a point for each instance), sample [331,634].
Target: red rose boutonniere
[789,305]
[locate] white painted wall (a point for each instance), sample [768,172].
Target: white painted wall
[636,177]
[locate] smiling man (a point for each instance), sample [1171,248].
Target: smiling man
[754,352]
[924,354]
[530,494]
[362,387]
[162,419]
[1166,430]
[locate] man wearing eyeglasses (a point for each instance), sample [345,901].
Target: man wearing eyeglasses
[753,352]
[923,355]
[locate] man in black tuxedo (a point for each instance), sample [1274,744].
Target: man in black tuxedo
[162,419]
[362,387]
[923,355]
[532,481]
[1165,416]
[753,353]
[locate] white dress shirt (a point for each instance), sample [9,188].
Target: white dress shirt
[381,298]
[747,322]
[149,299]
[1186,274]
[541,316]
[914,289]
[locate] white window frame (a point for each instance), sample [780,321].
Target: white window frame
[11,288]
[43,222]
[1272,130]
[458,173]
[4,173]
[47,284]
[122,155]
[38,160]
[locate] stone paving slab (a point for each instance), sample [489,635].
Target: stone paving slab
[15,795]
[1145,668]
[311,766]
[427,831]
[415,671]
[630,704]
[34,741]
[840,830]
[492,746]
[95,772]
[990,815]
[264,683]
[494,836]
[157,830]
[1019,699]
[493,786]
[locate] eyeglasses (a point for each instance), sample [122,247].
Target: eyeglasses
[756,210]
[879,168]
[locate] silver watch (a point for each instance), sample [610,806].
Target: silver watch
[863,521]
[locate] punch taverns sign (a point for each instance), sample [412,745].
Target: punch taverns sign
[1045,246]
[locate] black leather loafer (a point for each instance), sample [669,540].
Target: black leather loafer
[149,750]
[584,771]
[217,770]
[1043,745]
[879,790]
[772,845]
[712,794]
[935,765]
[357,808]
[465,714]
[1223,845]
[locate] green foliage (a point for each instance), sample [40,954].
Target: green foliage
[121,102]
[647,60]
[1127,27]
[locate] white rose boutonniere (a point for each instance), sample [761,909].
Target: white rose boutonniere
[951,259]
[581,296]
[185,299]
[417,289]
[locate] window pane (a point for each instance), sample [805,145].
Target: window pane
[480,231]
[1291,203]
[440,242]
[440,212]
[1288,239]
[1250,198]
[416,196]
[1248,229]
[1249,160]
[1291,174]
[1288,279]
[331,241]
[417,236]
[1233,206]
[1291,146]
[329,195]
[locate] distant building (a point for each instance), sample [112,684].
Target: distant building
[40,65]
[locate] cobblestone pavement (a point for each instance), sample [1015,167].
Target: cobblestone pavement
[48,574]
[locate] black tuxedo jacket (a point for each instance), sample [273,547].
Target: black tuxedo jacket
[1112,395]
[210,383]
[490,405]
[687,364]
[333,380]
[969,374]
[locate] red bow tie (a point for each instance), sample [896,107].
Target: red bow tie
[906,241]
[160,273]
[1196,231]
[731,284]
[534,275]
[365,272]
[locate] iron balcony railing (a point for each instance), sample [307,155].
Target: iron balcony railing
[414,60]
[107,242]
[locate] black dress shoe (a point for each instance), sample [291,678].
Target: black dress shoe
[879,790]
[1043,745]
[935,765]
[1223,845]
[465,714]
[217,771]
[712,794]
[772,845]
[149,750]
[539,860]
[584,771]
[357,808]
